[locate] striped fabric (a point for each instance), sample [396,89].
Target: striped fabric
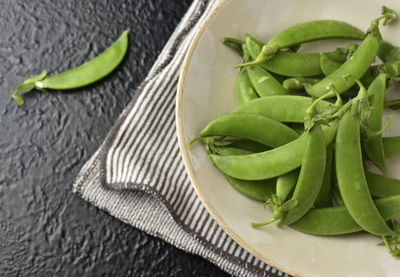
[138,175]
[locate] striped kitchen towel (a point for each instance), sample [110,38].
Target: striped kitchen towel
[146,186]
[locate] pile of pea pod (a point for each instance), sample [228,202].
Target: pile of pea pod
[305,126]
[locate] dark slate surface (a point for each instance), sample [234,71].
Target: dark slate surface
[45,230]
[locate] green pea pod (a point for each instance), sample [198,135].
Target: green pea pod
[328,65]
[356,66]
[382,186]
[271,163]
[292,64]
[351,178]
[391,146]
[314,30]
[259,190]
[82,75]
[306,32]
[244,90]
[234,44]
[250,126]
[324,198]
[264,83]
[311,176]
[299,83]
[373,146]
[337,220]
[284,108]
[285,183]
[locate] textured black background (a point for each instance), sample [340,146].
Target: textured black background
[46,230]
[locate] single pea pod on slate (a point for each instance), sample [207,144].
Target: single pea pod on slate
[351,178]
[311,176]
[337,220]
[79,76]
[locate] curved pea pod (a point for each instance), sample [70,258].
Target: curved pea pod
[328,65]
[391,146]
[337,220]
[80,76]
[244,90]
[292,64]
[264,83]
[90,71]
[298,83]
[284,108]
[382,186]
[311,176]
[259,190]
[351,178]
[324,198]
[285,183]
[250,126]
[314,30]
[271,163]
[356,66]
[234,44]
[373,146]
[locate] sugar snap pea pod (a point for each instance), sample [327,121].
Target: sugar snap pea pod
[298,83]
[337,220]
[264,83]
[391,146]
[311,176]
[84,74]
[292,64]
[234,44]
[356,66]
[244,90]
[324,198]
[351,178]
[283,108]
[250,126]
[328,65]
[307,32]
[358,63]
[373,146]
[271,163]
[259,190]
[285,183]
[382,186]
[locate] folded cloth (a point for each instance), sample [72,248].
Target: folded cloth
[138,176]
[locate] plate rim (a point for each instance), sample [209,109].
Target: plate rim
[184,152]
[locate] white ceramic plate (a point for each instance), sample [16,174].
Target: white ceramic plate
[206,90]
